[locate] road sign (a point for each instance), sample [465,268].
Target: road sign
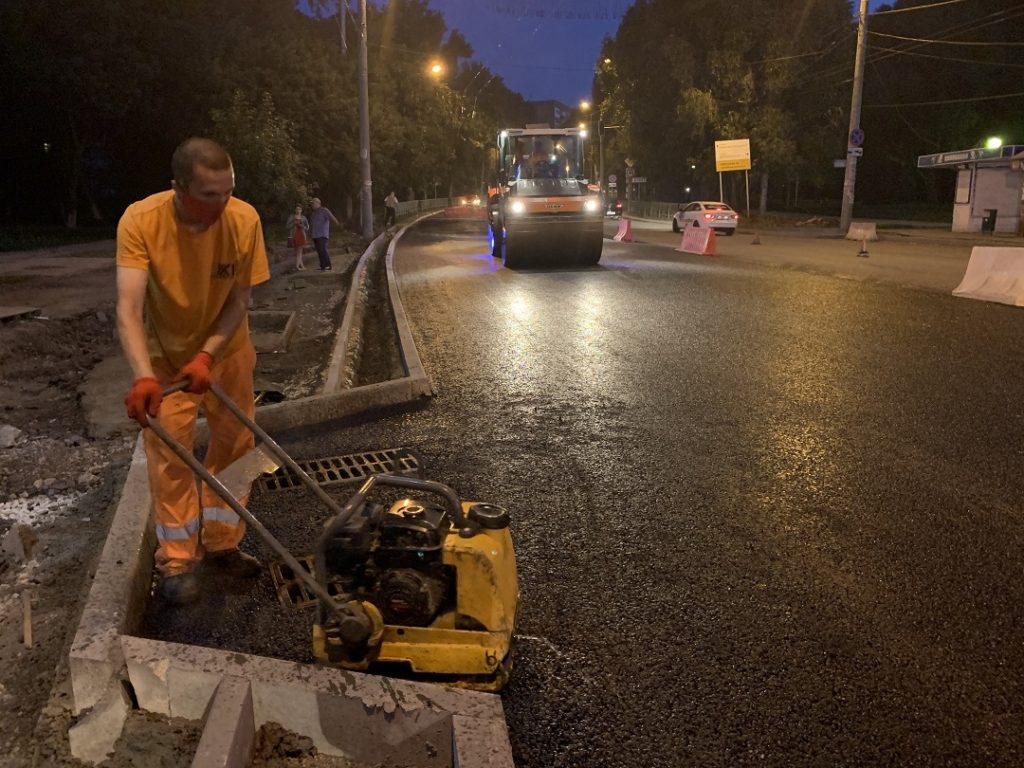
[839,163]
[856,137]
[732,155]
[612,178]
[639,179]
[968,156]
[855,151]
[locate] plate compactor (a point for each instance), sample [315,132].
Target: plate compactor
[425,587]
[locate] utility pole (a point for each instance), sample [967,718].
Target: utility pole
[366,195]
[850,180]
[342,12]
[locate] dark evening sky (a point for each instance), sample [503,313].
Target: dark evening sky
[544,49]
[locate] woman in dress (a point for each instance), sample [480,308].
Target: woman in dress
[298,235]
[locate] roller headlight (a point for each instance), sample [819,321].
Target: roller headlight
[518,207]
[592,206]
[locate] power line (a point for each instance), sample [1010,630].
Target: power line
[948,101]
[945,42]
[1001,64]
[917,7]
[996,17]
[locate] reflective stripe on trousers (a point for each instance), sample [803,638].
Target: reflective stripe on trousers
[176,502]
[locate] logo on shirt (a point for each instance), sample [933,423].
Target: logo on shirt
[225,271]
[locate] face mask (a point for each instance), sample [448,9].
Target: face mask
[200,210]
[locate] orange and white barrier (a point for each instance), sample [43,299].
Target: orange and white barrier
[625,233]
[699,240]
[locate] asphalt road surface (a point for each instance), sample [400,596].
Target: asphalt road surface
[763,517]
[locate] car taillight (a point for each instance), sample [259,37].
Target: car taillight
[709,216]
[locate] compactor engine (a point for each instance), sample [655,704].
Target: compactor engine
[438,580]
[543,211]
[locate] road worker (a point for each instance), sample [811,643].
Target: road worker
[189,257]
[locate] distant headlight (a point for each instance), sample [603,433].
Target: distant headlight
[518,207]
[591,206]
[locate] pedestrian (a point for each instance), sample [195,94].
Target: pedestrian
[187,259]
[320,222]
[390,208]
[298,235]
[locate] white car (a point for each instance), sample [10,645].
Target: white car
[718,216]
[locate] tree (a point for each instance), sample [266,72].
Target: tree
[269,171]
[718,80]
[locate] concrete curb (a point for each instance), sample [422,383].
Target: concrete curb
[118,591]
[345,355]
[229,731]
[419,381]
[345,713]
[348,344]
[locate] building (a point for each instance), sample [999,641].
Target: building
[989,187]
[553,113]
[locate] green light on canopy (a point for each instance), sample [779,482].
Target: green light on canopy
[993,143]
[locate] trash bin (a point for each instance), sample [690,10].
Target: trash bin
[988,224]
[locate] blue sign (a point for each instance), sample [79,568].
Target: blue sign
[856,137]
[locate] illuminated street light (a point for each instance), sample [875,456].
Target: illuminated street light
[993,143]
[437,69]
[584,105]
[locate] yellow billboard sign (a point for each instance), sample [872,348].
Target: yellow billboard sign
[732,155]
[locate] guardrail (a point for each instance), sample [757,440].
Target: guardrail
[419,206]
[651,209]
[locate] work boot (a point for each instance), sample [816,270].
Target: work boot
[180,589]
[232,562]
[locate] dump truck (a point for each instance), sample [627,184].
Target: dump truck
[543,210]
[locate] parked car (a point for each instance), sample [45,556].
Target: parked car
[704,213]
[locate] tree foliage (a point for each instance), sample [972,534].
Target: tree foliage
[107,88]
[269,169]
[681,74]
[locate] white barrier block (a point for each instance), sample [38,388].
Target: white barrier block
[994,274]
[862,230]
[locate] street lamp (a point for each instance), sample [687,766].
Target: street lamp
[585,107]
[994,143]
[436,69]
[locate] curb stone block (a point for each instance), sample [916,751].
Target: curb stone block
[229,732]
[92,738]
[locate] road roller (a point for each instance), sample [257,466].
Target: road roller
[543,210]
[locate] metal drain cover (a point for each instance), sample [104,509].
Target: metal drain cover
[351,468]
[293,593]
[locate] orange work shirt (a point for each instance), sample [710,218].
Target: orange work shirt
[191,274]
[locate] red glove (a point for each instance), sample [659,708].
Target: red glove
[144,398]
[197,372]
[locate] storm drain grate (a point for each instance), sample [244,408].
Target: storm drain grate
[293,593]
[351,468]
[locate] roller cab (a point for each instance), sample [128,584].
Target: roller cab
[543,211]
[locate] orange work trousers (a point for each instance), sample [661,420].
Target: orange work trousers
[184,530]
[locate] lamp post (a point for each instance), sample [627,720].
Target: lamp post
[366,203]
[585,107]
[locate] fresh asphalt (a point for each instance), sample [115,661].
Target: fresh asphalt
[763,517]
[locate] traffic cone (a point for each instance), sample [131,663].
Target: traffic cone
[709,249]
